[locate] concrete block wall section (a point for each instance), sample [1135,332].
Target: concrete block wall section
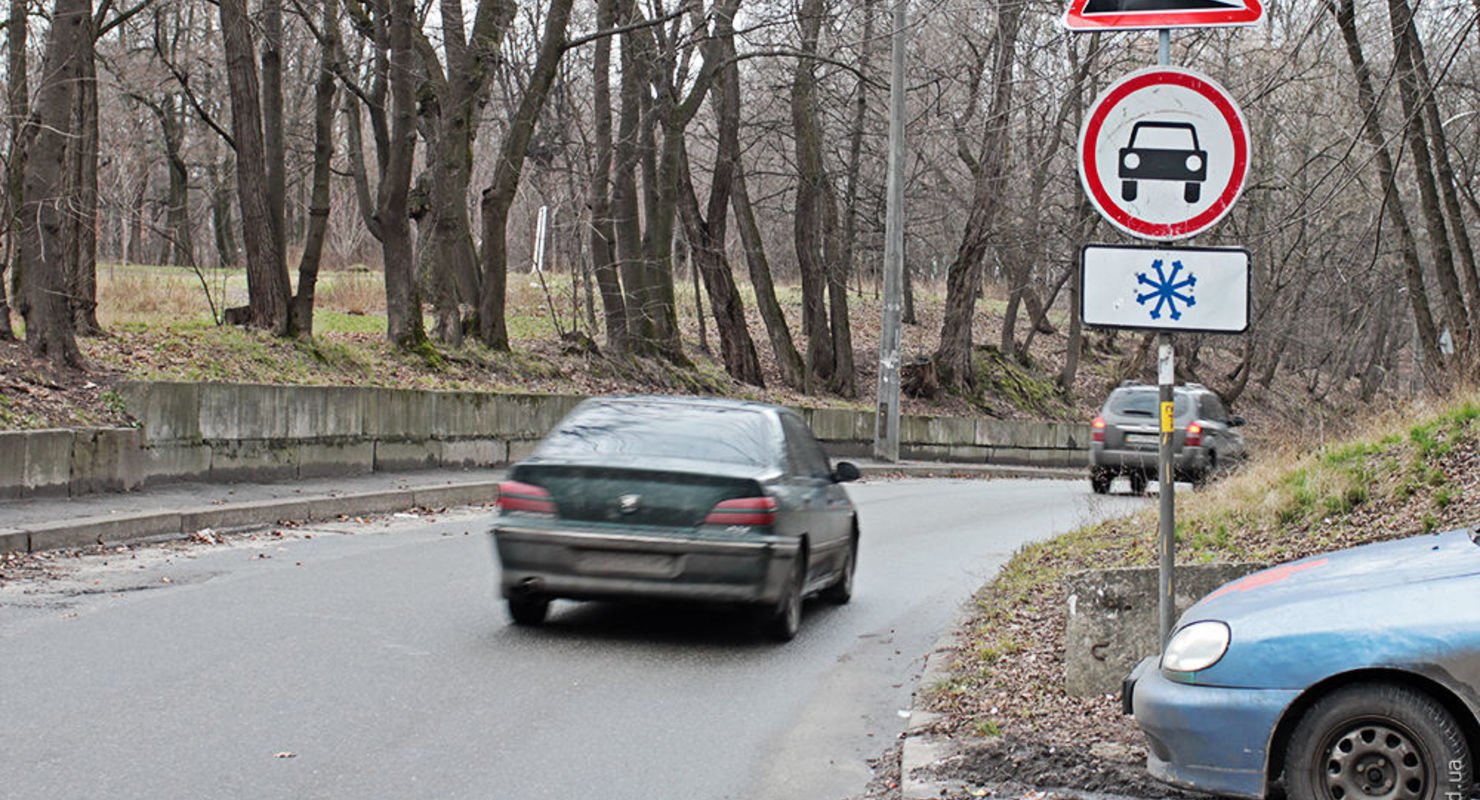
[224,432]
[1112,621]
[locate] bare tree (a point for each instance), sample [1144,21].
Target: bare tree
[499,194]
[953,357]
[402,300]
[267,273]
[18,107]
[45,260]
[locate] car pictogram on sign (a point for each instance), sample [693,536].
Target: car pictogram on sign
[1163,151]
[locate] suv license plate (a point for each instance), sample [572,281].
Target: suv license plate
[1142,438]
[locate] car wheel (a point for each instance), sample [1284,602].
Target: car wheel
[528,609]
[1100,481]
[1138,483]
[1128,190]
[842,591]
[1377,740]
[786,618]
[1201,479]
[1191,192]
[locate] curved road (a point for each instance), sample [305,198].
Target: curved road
[320,664]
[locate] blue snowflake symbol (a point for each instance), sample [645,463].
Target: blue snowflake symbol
[1165,289]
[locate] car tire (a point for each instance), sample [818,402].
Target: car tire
[1138,483]
[1191,192]
[1367,737]
[1203,477]
[1099,482]
[528,610]
[786,618]
[842,591]
[1128,191]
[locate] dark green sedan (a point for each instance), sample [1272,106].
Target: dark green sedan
[679,499]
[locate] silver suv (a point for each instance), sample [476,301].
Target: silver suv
[1125,438]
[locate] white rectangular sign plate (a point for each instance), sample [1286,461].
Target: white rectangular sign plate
[1195,289]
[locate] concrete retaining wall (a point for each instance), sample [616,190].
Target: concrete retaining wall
[1112,618]
[225,432]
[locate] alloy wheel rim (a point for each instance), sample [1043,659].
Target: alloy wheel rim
[1374,760]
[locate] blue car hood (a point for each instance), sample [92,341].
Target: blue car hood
[1407,604]
[1366,570]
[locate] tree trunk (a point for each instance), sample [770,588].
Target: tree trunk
[603,233]
[1456,315]
[323,154]
[404,326]
[82,284]
[642,326]
[17,107]
[1428,333]
[788,360]
[44,256]
[706,242]
[267,274]
[499,195]
[181,247]
[451,128]
[227,252]
[1444,171]
[953,357]
[855,140]
[808,224]
[272,123]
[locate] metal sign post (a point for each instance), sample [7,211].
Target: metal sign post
[1166,377]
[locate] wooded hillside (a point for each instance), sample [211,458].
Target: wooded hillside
[734,144]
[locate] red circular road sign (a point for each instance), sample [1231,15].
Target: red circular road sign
[1164,153]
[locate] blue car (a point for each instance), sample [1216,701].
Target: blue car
[1348,676]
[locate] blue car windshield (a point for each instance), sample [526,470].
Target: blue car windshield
[657,429]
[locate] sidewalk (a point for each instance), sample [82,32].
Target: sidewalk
[181,509]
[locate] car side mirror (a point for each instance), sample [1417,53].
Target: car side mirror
[845,472]
[1236,421]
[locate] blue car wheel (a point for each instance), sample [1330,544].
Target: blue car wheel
[1372,740]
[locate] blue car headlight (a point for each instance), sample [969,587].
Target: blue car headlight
[1196,647]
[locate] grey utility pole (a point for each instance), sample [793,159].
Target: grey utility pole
[886,424]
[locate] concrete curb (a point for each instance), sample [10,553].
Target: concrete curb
[156,525]
[920,748]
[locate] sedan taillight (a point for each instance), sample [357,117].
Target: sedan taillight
[1194,435]
[759,511]
[1097,430]
[516,496]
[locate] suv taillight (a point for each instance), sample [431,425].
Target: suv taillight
[760,511]
[1097,430]
[1194,435]
[516,496]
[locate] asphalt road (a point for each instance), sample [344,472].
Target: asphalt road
[374,661]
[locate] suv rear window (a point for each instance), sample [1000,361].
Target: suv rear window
[1143,402]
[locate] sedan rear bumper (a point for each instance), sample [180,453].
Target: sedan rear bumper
[592,565]
[1207,738]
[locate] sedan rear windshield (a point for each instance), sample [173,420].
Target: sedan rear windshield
[665,430]
[1144,402]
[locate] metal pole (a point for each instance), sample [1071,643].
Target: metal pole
[886,423]
[1166,374]
[1166,488]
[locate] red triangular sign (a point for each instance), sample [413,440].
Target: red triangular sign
[1131,15]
